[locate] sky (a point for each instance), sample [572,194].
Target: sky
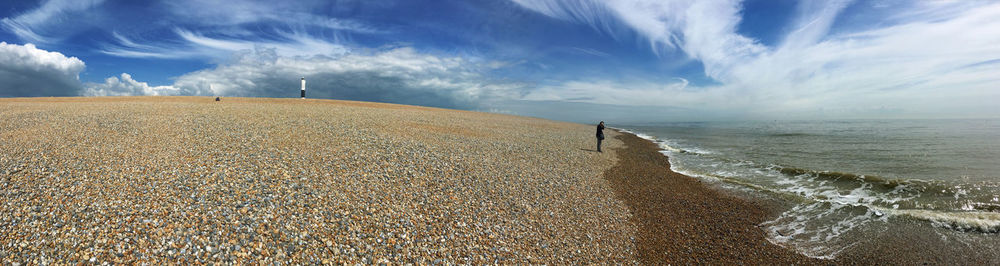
[626,61]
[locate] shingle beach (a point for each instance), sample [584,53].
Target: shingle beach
[190,180]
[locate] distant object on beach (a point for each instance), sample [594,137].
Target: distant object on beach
[303,87]
[600,135]
[217,99]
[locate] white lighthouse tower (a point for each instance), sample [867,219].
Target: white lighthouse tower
[303,87]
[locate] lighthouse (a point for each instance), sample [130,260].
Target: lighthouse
[303,87]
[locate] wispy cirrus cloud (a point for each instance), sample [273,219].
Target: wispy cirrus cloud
[238,12]
[587,51]
[48,22]
[217,29]
[189,44]
[935,58]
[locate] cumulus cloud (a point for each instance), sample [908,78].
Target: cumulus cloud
[400,75]
[28,71]
[47,23]
[934,58]
[126,86]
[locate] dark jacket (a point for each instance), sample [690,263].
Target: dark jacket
[600,131]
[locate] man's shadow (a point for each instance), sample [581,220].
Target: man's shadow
[588,150]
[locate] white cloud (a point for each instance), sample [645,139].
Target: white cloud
[215,29]
[126,86]
[400,75]
[197,45]
[236,12]
[29,71]
[48,22]
[608,92]
[938,58]
[291,44]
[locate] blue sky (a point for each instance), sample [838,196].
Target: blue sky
[629,60]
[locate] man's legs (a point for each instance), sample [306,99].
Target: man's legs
[599,145]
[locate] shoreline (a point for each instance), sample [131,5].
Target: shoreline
[684,221]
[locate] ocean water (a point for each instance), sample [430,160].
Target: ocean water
[844,178]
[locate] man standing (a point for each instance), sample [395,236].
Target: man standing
[600,135]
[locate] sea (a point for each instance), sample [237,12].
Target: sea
[845,181]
